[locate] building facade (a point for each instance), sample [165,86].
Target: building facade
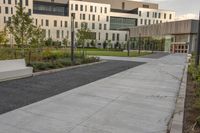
[106,19]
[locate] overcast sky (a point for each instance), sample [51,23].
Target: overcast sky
[183,8]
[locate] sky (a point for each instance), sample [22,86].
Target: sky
[185,9]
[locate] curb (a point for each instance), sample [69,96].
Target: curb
[66,68]
[178,116]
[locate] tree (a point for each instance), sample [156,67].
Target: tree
[65,42]
[83,35]
[3,37]
[21,26]
[38,37]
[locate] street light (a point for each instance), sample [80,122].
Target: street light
[198,47]
[72,37]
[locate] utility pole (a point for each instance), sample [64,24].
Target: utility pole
[197,45]
[139,43]
[72,37]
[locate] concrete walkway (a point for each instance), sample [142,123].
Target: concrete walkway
[138,100]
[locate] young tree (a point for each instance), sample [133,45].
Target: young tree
[83,35]
[38,37]
[3,37]
[21,26]
[65,42]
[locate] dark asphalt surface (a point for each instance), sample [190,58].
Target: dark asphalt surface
[18,93]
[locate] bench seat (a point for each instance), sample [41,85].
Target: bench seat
[14,69]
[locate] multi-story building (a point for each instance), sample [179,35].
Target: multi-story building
[106,19]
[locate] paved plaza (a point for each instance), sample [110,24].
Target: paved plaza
[140,98]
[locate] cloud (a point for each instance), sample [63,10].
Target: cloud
[187,16]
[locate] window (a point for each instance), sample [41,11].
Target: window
[47,22]
[0,9]
[62,34]
[72,7]
[93,17]
[61,23]
[145,22]
[147,14]
[105,27]
[83,16]
[91,8]
[145,6]
[81,8]
[5,20]
[6,10]
[165,16]
[66,24]
[170,16]
[149,21]
[101,9]
[155,15]
[98,17]
[100,26]
[86,8]
[11,10]
[113,37]
[117,37]
[99,36]
[95,9]
[80,16]
[76,24]
[76,7]
[123,5]
[55,23]
[49,33]
[4,1]
[105,10]
[107,18]
[9,1]
[89,17]
[159,15]
[140,13]
[141,21]
[36,22]
[27,2]
[58,34]
[93,25]
[42,22]
[106,36]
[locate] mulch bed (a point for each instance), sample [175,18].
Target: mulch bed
[191,113]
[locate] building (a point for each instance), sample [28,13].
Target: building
[175,37]
[105,18]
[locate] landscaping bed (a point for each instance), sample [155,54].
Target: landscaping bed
[192,103]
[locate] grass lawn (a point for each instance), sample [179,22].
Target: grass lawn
[114,53]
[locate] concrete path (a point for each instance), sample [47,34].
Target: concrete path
[138,100]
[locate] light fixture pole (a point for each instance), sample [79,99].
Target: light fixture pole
[72,37]
[197,45]
[139,44]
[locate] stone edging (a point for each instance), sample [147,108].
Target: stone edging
[66,68]
[178,116]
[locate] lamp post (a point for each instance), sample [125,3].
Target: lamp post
[139,43]
[72,37]
[197,44]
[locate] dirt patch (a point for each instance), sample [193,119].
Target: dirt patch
[191,113]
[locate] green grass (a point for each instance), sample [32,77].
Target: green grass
[115,53]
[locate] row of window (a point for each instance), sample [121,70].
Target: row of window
[156,15]
[10,10]
[148,22]
[76,7]
[15,2]
[101,26]
[115,37]
[92,17]
[55,23]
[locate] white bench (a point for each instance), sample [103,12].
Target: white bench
[14,69]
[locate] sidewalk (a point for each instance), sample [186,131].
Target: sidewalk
[138,100]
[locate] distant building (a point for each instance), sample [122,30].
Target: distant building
[105,18]
[175,37]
